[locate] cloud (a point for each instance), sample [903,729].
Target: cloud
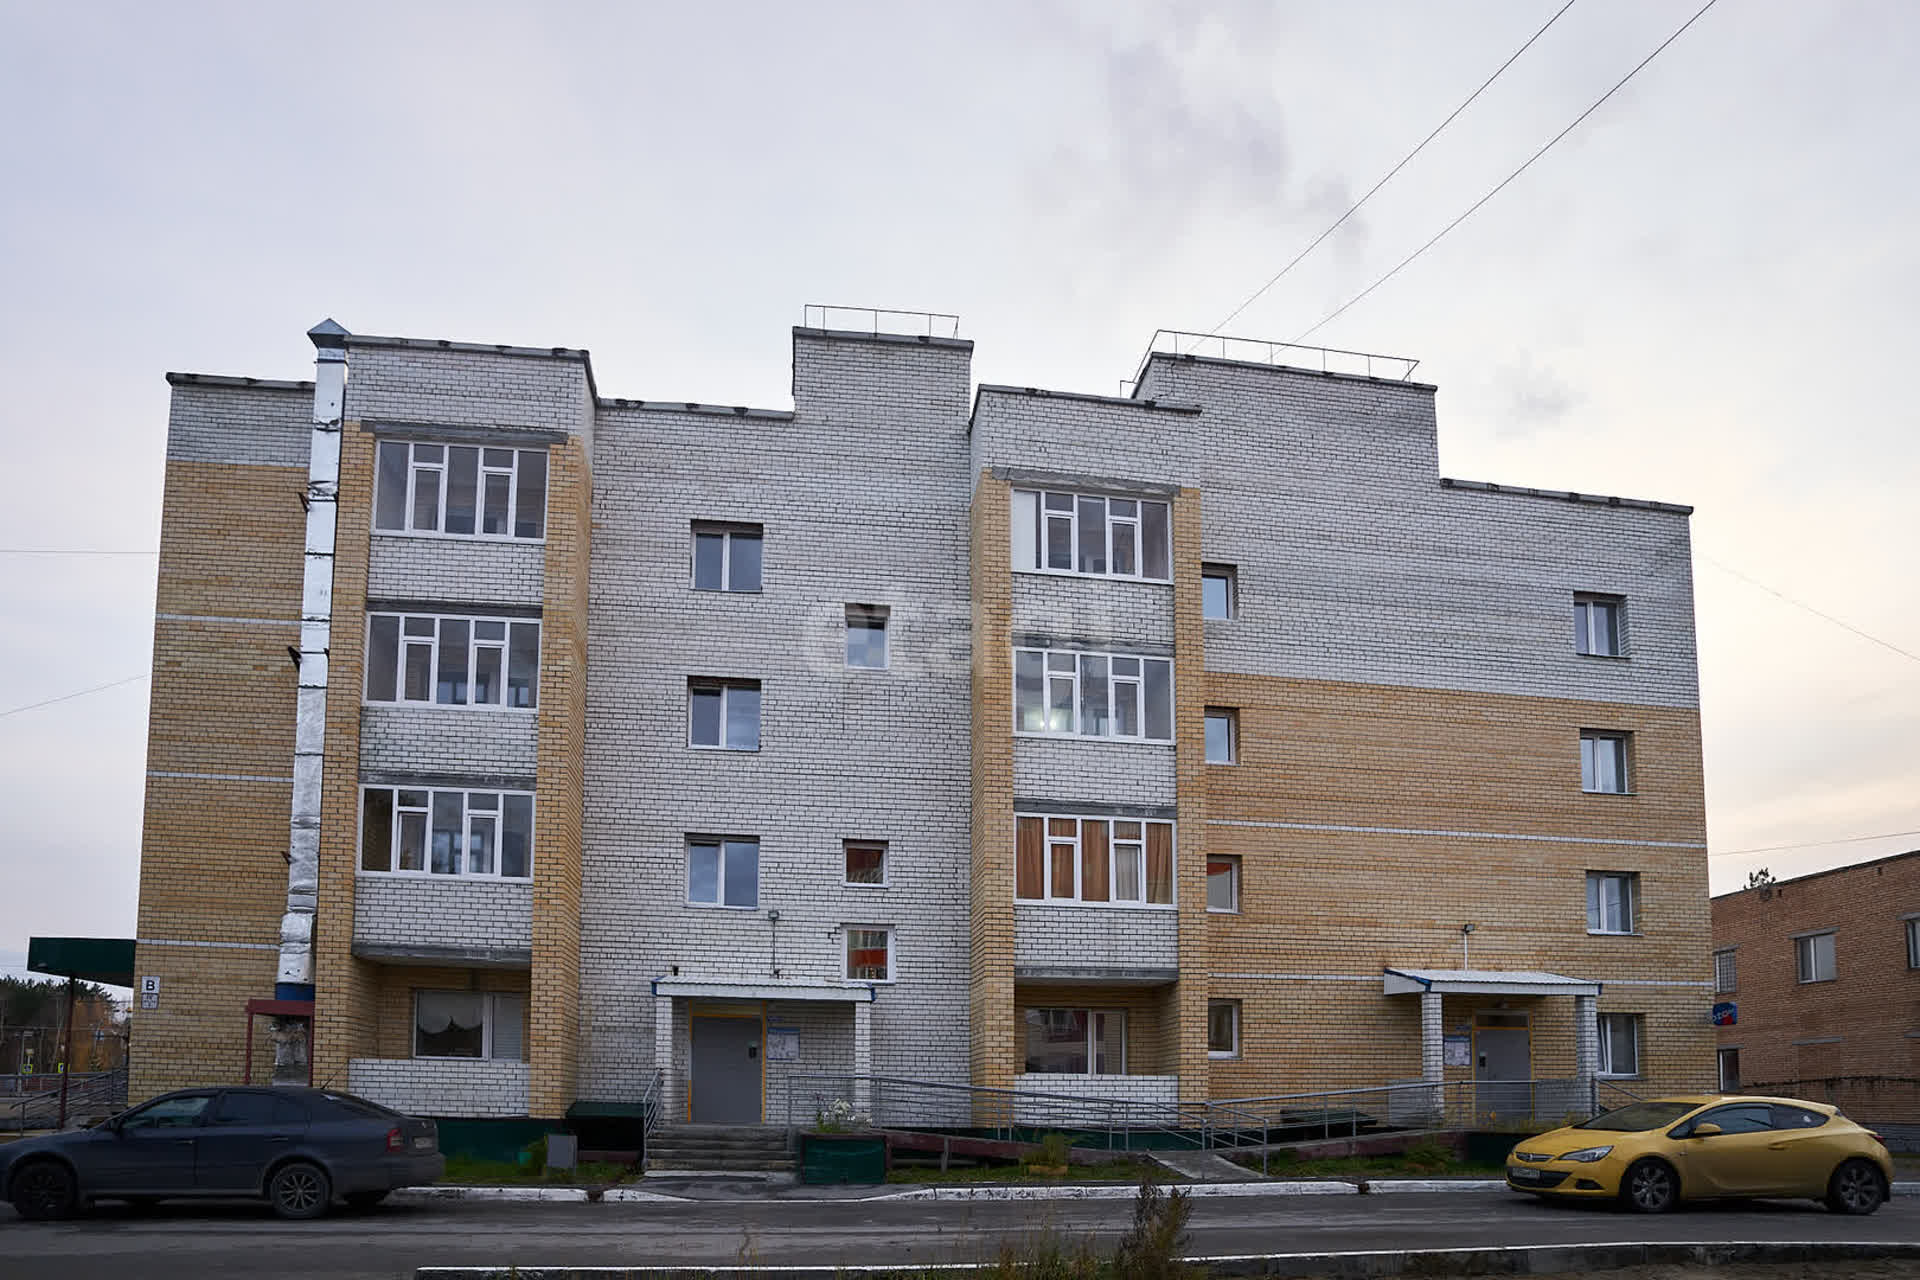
[1531,398]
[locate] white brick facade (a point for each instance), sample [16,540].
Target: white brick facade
[1118,940]
[441,1086]
[430,915]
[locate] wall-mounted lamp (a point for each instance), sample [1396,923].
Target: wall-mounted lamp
[1465,930]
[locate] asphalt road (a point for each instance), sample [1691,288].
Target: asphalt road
[230,1242]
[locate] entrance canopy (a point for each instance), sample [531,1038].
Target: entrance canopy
[107,961]
[1486,982]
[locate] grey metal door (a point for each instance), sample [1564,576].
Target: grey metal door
[1500,1071]
[726,1070]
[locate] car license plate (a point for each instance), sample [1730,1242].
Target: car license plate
[1523,1175]
[422,1143]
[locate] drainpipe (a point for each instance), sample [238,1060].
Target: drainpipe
[321,499]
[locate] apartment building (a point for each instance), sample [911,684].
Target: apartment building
[538,747]
[1817,985]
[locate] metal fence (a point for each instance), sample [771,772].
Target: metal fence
[91,1095]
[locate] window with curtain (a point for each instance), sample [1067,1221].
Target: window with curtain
[469,1024]
[869,954]
[1121,861]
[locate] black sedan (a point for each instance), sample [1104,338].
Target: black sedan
[299,1149]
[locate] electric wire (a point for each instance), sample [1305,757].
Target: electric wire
[1374,189]
[1812,844]
[1503,183]
[1801,604]
[77,693]
[71,551]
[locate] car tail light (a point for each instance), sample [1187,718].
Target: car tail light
[1876,1137]
[394,1141]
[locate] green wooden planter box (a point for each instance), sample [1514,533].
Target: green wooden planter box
[842,1157]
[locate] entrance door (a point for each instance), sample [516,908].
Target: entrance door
[1501,1069]
[726,1070]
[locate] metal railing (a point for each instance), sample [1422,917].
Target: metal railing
[1218,346]
[91,1095]
[652,1103]
[877,320]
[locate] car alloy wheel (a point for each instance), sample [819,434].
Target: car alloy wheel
[44,1189]
[1650,1187]
[299,1190]
[1855,1188]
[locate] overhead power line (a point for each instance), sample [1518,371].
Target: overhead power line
[1338,222]
[1812,844]
[1503,183]
[71,551]
[1801,604]
[77,693]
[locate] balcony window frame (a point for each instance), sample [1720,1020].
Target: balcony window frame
[407,638]
[1092,679]
[1036,515]
[472,819]
[419,463]
[1119,846]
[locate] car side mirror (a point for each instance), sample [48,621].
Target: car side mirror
[1707,1130]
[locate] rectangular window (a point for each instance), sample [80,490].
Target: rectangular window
[1729,1071]
[469,1024]
[723,871]
[453,662]
[723,714]
[1619,1044]
[1913,943]
[447,833]
[1223,1028]
[1087,534]
[1076,1042]
[1223,884]
[1119,860]
[1726,974]
[1603,761]
[1612,901]
[869,954]
[463,491]
[1815,958]
[867,636]
[726,557]
[1596,625]
[1093,695]
[866,861]
[1219,594]
[1223,735]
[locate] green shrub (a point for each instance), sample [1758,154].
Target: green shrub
[1056,1149]
[1428,1157]
[1151,1248]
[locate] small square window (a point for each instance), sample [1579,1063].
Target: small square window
[1223,735]
[1223,1028]
[869,954]
[867,636]
[726,557]
[1603,762]
[1726,973]
[1613,901]
[1596,625]
[724,714]
[1814,957]
[1219,592]
[1223,884]
[723,871]
[866,861]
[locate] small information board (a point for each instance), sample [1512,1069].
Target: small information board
[783,1044]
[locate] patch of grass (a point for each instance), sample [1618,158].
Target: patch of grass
[1106,1171]
[1423,1160]
[468,1171]
[1149,1251]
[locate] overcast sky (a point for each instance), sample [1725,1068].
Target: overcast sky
[1703,295]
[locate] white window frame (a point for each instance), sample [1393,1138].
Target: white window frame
[730,532]
[490,1002]
[720,843]
[474,645]
[416,466]
[1720,1068]
[1604,1059]
[1618,741]
[1232,717]
[1234,1050]
[1048,840]
[886,931]
[727,687]
[1806,955]
[871,618]
[886,863]
[1589,608]
[1726,970]
[1053,666]
[1229,574]
[1597,902]
[1092,1056]
[468,814]
[1233,878]
[1029,532]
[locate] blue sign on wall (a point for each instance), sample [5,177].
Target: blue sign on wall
[1725,1014]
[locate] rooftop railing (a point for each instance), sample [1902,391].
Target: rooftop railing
[878,320]
[1218,346]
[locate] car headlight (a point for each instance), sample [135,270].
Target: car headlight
[1587,1155]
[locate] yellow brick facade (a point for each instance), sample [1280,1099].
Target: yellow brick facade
[995,1046]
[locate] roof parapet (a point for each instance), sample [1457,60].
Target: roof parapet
[1332,361]
[1566,495]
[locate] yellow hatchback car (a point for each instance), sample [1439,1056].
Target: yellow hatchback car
[1651,1155]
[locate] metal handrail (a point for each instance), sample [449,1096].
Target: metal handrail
[816,315]
[1264,351]
[651,1103]
[1120,1119]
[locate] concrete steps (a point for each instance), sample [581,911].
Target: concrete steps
[719,1148]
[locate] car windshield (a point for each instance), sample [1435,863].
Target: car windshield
[1640,1116]
[360,1106]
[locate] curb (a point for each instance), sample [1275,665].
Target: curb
[1117,1191]
[1520,1260]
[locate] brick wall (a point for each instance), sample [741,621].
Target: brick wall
[443,1086]
[443,911]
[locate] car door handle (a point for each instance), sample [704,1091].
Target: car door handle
[280,1138]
